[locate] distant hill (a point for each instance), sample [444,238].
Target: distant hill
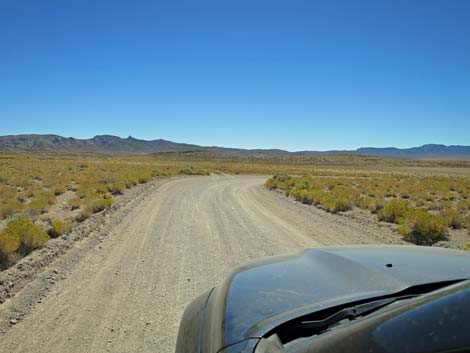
[108,144]
[425,151]
[99,144]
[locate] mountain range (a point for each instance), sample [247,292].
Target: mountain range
[108,144]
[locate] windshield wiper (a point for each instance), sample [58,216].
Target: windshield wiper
[319,321]
[349,313]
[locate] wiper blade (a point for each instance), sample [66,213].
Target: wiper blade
[319,321]
[350,313]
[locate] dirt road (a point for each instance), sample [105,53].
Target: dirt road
[128,293]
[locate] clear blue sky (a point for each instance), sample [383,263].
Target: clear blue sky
[289,74]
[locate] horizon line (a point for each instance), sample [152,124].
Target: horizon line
[235,147]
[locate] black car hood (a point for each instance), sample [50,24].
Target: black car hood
[264,294]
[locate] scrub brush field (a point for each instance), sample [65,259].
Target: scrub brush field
[43,195]
[425,208]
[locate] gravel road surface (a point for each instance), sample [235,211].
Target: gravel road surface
[127,294]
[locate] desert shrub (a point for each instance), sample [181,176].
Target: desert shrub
[281,177]
[186,171]
[326,201]
[142,179]
[86,213]
[304,185]
[9,243]
[304,196]
[100,204]
[364,202]
[271,184]
[393,211]
[201,172]
[30,235]
[422,228]
[57,228]
[100,189]
[453,218]
[376,205]
[332,204]
[40,204]
[130,182]
[341,205]
[280,181]
[74,203]
[59,189]
[10,208]
[116,188]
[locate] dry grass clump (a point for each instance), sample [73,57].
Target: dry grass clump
[9,243]
[22,236]
[40,203]
[74,203]
[86,213]
[59,189]
[116,188]
[186,171]
[393,211]
[422,228]
[57,228]
[339,205]
[94,204]
[10,207]
[97,205]
[452,218]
